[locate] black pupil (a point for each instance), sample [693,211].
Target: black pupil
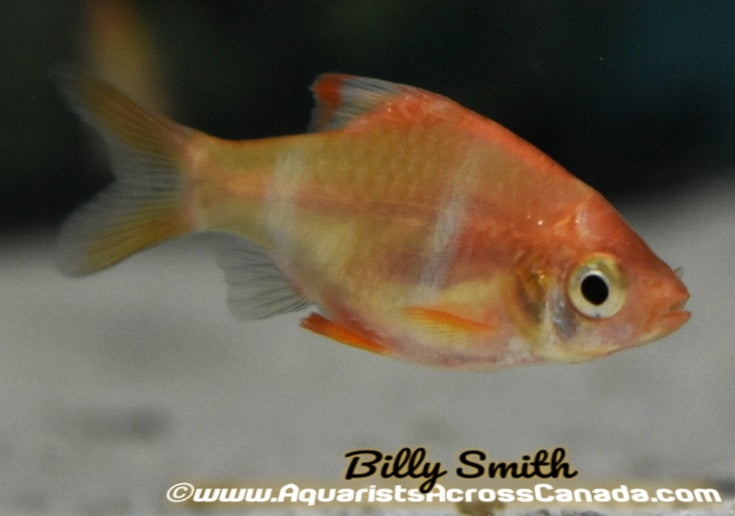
[594,289]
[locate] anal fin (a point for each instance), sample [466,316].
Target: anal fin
[323,326]
[257,289]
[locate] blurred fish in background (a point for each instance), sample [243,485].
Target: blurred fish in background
[119,48]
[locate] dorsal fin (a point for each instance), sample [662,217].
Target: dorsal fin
[339,99]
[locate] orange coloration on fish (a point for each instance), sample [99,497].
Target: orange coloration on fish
[419,229]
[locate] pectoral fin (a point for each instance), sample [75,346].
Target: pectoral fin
[323,326]
[443,322]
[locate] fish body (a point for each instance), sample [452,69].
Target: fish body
[420,229]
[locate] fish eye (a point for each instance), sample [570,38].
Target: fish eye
[594,288]
[597,288]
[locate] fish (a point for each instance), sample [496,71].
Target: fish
[118,46]
[415,228]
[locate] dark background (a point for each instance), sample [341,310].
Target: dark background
[634,97]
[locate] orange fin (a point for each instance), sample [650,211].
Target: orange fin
[340,99]
[323,326]
[443,322]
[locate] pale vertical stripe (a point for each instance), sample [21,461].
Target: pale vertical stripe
[280,199]
[445,238]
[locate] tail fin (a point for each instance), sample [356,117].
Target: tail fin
[147,203]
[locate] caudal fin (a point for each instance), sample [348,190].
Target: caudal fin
[147,203]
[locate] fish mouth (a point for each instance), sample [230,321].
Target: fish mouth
[674,320]
[674,317]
